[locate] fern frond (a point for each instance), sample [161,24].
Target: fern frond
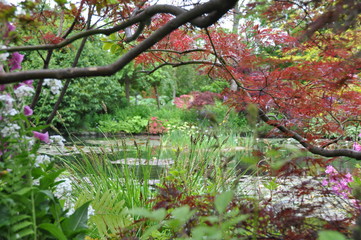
[21,226]
[110,213]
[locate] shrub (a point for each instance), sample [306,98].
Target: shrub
[134,124]
[155,126]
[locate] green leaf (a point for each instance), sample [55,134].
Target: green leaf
[61,2]
[229,223]
[49,179]
[107,46]
[25,232]
[157,215]
[205,232]
[21,225]
[271,185]
[182,213]
[221,202]
[150,231]
[114,48]
[54,230]
[113,36]
[330,235]
[23,191]
[48,193]
[77,221]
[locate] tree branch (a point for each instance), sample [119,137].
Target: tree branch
[194,16]
[311,148]
[178,65]
[213,8]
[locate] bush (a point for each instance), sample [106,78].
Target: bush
[134,124]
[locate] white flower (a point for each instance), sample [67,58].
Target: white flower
[54,84]
[3,56]
[30,141]
[10,129]
[57,140]
[7,108]
[91,211]
[63,189]
[24,91]
[42,159]
[71,209]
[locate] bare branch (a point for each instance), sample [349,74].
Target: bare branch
[178,65]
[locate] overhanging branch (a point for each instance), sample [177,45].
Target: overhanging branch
[215,9]
[310,147]
[196,16]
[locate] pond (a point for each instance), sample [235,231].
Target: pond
[151,153]
[147,157]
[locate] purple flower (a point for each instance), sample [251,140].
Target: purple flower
[15,61]
[28,111]
[2,87]
[10,29]
[356,147]
[29,82]
[42,136]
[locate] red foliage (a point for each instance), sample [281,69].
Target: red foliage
[303,82]
[196,100]
[268,218]
[155,126]
[52,38]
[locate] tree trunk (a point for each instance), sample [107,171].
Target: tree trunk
[236,17]
[156,96]
[66,85]
[127,88]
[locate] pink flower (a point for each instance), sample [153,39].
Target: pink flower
[15,61]
[356,147]
[28,111]
[330,170]
[324,182]
[349,177]
[2,87]
[42,136]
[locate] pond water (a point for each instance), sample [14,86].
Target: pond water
[147,151]
[146,155]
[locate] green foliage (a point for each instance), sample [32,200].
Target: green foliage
[27,200]
[109,212]
[192,220]
[327,235]
[111,188]
[73,227]
[85,96]
[216,86]
[142,111]
[134,124]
